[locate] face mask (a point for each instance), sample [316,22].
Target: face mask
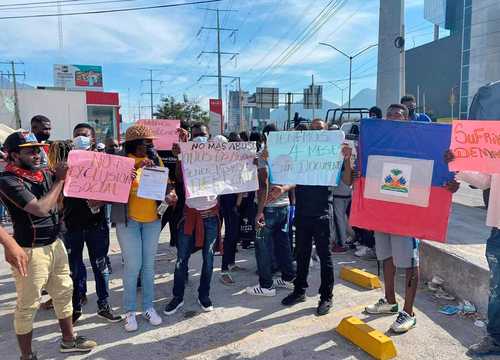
[81,143]
[200,139]
[42,137]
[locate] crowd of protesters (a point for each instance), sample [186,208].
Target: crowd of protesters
[288,225]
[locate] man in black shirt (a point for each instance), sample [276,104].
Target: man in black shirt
[86,223]
[31,195]
[313,213]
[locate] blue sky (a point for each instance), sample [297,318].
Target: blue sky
[168,40]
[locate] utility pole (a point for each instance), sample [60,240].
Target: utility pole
[14,83]
[219,52]
[151,93]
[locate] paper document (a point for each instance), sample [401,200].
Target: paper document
[153,183]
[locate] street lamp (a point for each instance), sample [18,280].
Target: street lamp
[350,57]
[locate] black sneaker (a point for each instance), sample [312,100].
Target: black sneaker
[324,307]
[106,313]
[79,344]
[206,304]
[486,347]
[293,298]
[76,315]
[175,304]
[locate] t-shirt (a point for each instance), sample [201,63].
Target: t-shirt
[140,209]
[29,230]
[77,214]
[202,203]
[312,201]
[283,200]
[422,117]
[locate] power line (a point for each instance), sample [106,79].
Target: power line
[79,3]
[111,10]
[41,3]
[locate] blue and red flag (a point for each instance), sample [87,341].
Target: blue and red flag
[401,187]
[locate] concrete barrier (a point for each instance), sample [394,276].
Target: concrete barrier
[464,278]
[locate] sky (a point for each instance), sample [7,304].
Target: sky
[169,41]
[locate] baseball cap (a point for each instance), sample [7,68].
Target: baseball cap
[100,146]
[18,140]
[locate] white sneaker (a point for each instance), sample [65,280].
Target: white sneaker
[382,307]
[361,251]
[130,322]
[153,317]
[403,323]
[258,291]
[280,283]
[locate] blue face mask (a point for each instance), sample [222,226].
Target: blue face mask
[200,139]
[82,143]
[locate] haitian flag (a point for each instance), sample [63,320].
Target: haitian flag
[402,173]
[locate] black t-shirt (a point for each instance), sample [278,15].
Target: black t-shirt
[77,214]
[312,201]
[16,193]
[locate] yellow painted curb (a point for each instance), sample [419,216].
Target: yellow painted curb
[360,277]
[367,338]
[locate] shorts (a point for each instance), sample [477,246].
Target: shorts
[402,249]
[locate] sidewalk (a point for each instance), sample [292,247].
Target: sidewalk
[241,327]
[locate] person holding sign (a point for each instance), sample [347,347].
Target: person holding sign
[490,344]
[312,220]
[138,229]
[86,224]
[273,218]
[396,251]
[31,194]
[198,229]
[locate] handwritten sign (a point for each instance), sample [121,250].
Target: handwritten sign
[218,168]
[305,157]
[165,132]
[476,146]
[98,176]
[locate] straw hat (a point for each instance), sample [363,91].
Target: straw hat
[139,132]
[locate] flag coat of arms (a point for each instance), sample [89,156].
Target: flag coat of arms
[402,172]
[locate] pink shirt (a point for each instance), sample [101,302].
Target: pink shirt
[485,181]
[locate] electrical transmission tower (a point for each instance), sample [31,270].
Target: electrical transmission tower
[150,93]
[219,52]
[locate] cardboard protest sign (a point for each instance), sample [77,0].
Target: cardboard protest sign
[218,168]
[305,157]
[476,146]
[165,131]
[98,176]
[400,189]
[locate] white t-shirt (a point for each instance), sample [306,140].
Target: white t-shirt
[202,203]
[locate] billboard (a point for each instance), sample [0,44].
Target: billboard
[267,97]
[216,127]
[78,77]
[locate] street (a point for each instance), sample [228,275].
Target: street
[241,327]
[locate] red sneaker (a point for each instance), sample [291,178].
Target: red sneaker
[337,249]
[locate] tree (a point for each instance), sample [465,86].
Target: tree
[187,110]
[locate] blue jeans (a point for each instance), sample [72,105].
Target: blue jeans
[97,240]
[493,257]
[274,239]
[185,247]
[139,242]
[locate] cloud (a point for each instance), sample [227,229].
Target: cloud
[107,38]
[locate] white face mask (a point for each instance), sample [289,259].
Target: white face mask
[200,139]
[82,143]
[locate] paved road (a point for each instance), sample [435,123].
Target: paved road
[241,327]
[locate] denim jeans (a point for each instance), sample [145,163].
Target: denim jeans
[97,240]
[274,240]
[232,229]
[307,229]
[493,257]
[185,248]
[139,242]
